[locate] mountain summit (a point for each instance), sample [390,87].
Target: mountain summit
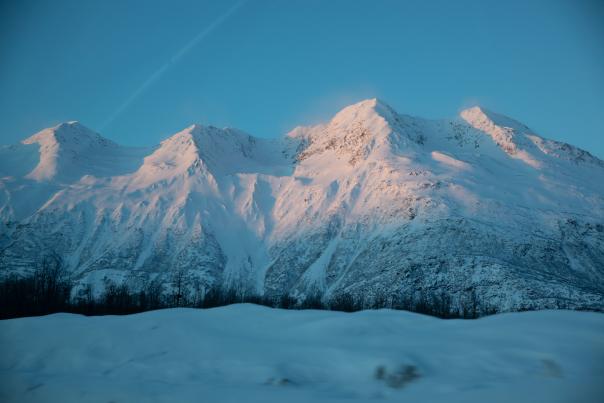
[65,151]
[372,203]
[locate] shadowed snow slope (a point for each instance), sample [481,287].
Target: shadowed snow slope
[256,354]
[371,202]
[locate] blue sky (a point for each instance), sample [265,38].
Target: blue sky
[138,71]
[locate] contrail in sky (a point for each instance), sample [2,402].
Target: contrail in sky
[177,56]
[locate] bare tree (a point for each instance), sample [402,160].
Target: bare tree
[178,288]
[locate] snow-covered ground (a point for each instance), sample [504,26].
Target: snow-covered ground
[247,353]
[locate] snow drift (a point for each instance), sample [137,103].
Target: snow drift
[257,354]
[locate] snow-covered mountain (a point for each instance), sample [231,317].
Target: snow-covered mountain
[372,202]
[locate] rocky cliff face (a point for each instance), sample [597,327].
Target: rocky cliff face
[370,203]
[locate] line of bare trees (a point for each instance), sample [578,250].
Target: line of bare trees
[49,290]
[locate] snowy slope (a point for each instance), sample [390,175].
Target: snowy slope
[41,165]
[371,202]
[257,354]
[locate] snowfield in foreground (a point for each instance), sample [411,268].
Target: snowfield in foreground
[247,353]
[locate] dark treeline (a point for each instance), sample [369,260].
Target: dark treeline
[49,290]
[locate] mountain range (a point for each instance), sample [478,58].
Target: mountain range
[371,203]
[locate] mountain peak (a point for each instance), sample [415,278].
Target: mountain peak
[182,146]
[200,137]
[365,110]
[351,134]
[197,146]
[70,134]
[62,146]
[514,138]
[371,103]
[478,117]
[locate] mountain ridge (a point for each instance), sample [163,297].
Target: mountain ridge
[369,203]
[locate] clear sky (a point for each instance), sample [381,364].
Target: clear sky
[138,71]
